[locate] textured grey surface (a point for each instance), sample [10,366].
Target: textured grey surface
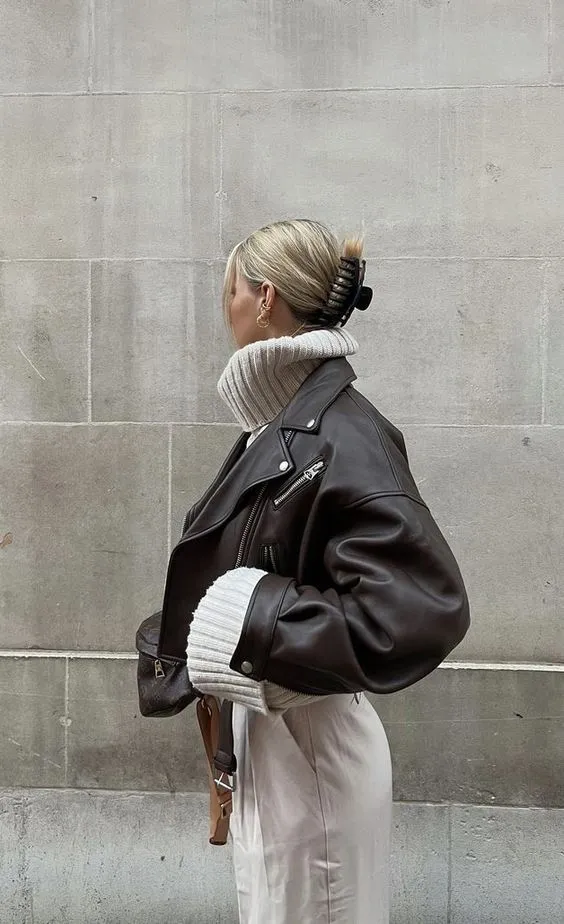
[110,746]
[109,858]
[478,322]
[502,152]
[478,736]
[366,166]
[557,41]
[495,493]
[130,858]
[87,512]
[44,46]
[322,43]
[42,360]
[168,342]
[507,866]
[555,340]
[116,176]
[14,892]
[498,156]
[32,722]
[420,864]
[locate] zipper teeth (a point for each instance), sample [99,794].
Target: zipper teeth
[293,487]
[303,479]
[272,558]
[248,525]
[254,511]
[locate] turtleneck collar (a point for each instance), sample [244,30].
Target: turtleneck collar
[261,378]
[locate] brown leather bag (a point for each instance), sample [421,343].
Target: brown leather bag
[222,783]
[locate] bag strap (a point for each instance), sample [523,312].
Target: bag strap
[217,735]
[225,760]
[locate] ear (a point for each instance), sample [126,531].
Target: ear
[268,293]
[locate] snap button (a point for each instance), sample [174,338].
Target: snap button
[310,424]
[247,667]
[283,466]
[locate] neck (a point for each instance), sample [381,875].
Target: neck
[261,378]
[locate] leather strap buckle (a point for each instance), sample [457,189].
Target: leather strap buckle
[225,781]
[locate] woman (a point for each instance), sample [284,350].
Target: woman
[314,572]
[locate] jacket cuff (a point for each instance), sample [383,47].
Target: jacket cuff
[214,634]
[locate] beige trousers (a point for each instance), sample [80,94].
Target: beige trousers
[312,814]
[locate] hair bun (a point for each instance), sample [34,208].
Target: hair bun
[347,293]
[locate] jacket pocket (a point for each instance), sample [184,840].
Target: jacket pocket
[300,481]
[162,680]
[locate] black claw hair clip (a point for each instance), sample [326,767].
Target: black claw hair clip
[347,293]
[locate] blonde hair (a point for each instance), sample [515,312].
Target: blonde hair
[300,258]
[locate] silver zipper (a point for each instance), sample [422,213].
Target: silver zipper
[268,558]
[248,525]
[308,475]
[159,672]
[254,512]
[272,557]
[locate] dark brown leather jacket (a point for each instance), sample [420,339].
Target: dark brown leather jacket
[363,592]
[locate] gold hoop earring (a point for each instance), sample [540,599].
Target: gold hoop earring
[263,318]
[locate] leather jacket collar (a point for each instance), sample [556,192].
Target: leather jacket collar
[270,456]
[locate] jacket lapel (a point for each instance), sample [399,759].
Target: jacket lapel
[269,455]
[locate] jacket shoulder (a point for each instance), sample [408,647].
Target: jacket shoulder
[368,451]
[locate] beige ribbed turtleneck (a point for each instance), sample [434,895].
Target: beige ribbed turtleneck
[261,379]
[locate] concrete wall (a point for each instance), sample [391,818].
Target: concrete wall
[138,142]
[126,858]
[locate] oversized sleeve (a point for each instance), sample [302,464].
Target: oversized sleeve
[392,606]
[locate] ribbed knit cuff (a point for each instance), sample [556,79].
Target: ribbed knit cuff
[214,636]
[279,698]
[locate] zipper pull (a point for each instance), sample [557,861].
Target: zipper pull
[310,473]
[159,669]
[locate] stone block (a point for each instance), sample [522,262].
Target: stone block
[344,158]
[501,169]
[109,857]
[125,858]
[482,736]
[14,903]
[458,735]
[159,341]
[452,341]
[32,722]
[557,41]
[555,343]
[44,46]
[420,864]
[70,844]
[197,455]
[507,865]
[44,341]
[87,514]
[493,492]
[111,746]
[108,176]
[317,43]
